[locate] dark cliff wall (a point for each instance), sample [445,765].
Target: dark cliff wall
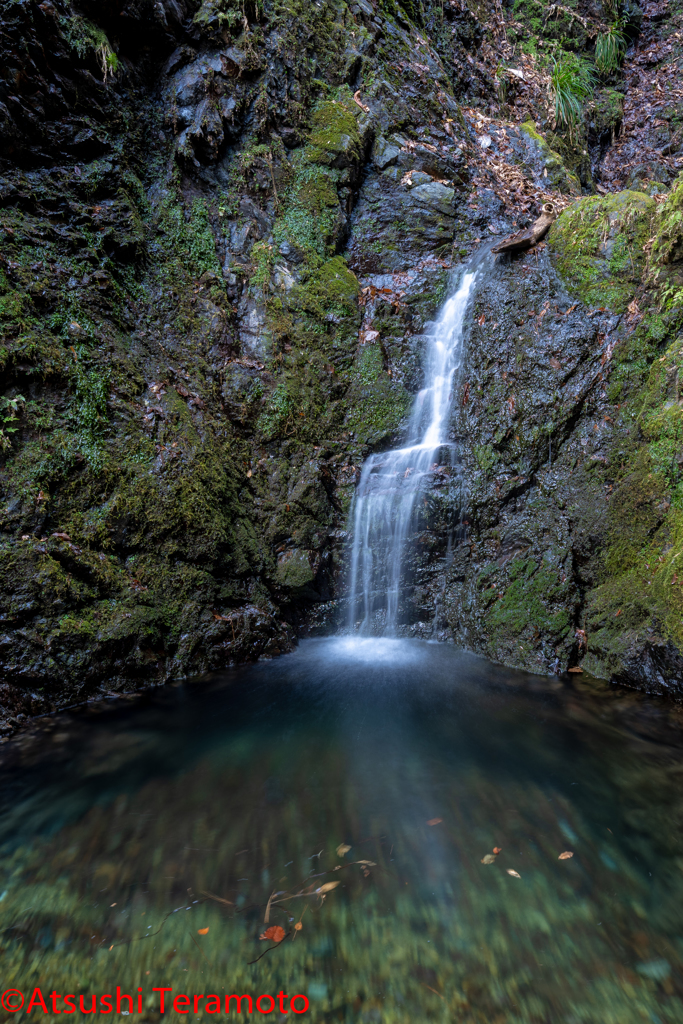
[224,228]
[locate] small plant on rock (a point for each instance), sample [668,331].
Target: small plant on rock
[610,47]
[9,410]
[571,83]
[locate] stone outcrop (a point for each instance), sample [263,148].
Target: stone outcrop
[224,230]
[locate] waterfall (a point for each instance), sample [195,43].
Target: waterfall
[391,482]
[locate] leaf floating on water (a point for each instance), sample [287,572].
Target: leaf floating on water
[515,874]
[497,850]
[566,855]
[327,887]
[435,821]
[202,931]
[275,933]
[298,926]
[342,849]
[490,858]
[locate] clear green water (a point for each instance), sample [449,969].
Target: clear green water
[244,785]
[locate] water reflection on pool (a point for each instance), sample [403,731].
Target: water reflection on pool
[394,768]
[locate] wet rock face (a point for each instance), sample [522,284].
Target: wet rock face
[508,536]
[225,230]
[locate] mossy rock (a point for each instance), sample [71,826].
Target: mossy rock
[604,115]
[547,163]
[377,406]
[294,570]
[532,607]
[667,245]
[334,140]
[598,247]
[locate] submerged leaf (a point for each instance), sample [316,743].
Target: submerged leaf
[327,887]
[275,933]
[566,855]
[497,850]
[435,821]
[370,863]
[202,931]
[342,849]
[489,859]
[515,874]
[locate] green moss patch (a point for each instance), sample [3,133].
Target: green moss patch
[598,247]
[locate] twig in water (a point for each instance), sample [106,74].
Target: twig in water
[199,948]
[249,962]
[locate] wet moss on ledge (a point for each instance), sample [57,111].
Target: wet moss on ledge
[598,247]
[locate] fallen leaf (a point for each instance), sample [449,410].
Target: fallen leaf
[327,887]
[490,858]
[298,926]
[357,99]
[342,849]
[497,850]
[576,668]
[515,874]
[249,473]
[61,536]
[566,855]
[435,821]
[202,931]
[370,863]
[273,934]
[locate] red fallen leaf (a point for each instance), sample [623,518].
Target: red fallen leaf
[566,855]
[497,850]
[202,931]
[435,821]
[273,934]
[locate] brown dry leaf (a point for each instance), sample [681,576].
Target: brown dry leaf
[575,668]
[566,855]
[497,850]
[202,931]
[342,849]
[327,887]
[298,926]
[490,858]
[273,934]
[435,821]
[515,874]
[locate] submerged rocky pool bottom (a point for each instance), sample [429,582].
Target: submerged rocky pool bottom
[351,797]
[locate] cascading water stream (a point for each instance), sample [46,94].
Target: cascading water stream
[391,482]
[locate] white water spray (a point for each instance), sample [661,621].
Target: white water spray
[390,483]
